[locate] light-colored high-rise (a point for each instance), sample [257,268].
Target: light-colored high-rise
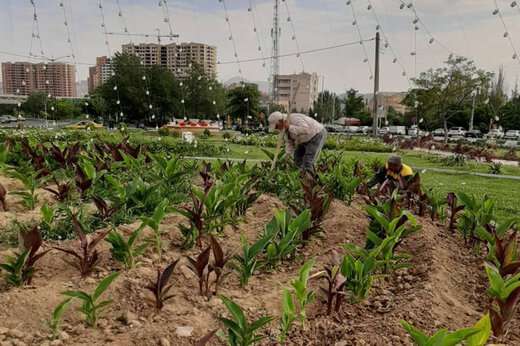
[24,78]
[100,73]
[297,92]
[177,58]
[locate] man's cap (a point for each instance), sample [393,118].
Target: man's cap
[395,160]
[274,118]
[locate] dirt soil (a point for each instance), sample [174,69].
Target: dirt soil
[444,288]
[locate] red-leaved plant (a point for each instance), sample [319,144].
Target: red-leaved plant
[105,212]
[86,259]
[160,287]
[32,241]
[3,194]
[218,265]
[200,267]
[453,211]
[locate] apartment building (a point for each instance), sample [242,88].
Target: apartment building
[24,78]
[296,92]
[99,73]
[176,57]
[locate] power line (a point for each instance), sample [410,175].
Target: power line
[301,53]
[251,9]
[361,41]
[294,38]
[166,17]
[387,44]
[35,30]
[121,16]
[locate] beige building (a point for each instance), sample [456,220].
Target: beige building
[178,58]
[24,78]
[100,73]
[296,91]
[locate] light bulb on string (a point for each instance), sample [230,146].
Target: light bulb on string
[495,12]
[115,87]
[118,102]
[144,77]
[147,92]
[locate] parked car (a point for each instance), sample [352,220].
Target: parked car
[85,124]
[366,129]
[474,134]
[438,133]
[456,132]
[494,133]
[397,130]
[5,119]
[352,129]
[512,134]
[383,131]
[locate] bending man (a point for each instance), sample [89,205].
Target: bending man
[394,171]
[304,137]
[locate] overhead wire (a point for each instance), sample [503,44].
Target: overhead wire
[506,34]
[166,17]
[36,35]
[251,9]
[232,38]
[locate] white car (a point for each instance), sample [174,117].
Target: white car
[456,132]
[512,134]
[438,133]
[397,130]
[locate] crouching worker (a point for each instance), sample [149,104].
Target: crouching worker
[394,174]
[304,137]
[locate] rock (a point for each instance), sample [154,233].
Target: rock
[90,281]
[164,342]
[3,330]
[135,324]
[184,331]
[186,272]
[407,286]
[127,317]
[14,333]
[45,343]
[341,343]
[56,343]
[19,343]
[64,336]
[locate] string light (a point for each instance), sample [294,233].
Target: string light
[506,31]
[387,44]
[232,38]
[251,9]
[121,16]
[294,38]
[361,41]
[35,31]
[166,16]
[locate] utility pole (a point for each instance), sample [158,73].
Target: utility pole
[473,110]
[376,86]
[275,62]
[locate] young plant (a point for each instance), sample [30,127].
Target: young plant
[288,315]
[505,293]
[334,290]
[90,307]
[454,210]
[195,214]
[57,313]
[104,211]
[154,223]
[30,182]
[477,212]
[86,259]
[200,267]
[85,176]
[474,336]
[359,275]
[304,296]
[220,260]
[62,191]
[239,331]
[20,268]
[248,263]
[160,287]
[126,251]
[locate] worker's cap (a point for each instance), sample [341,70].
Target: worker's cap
[274,118]
[394,160]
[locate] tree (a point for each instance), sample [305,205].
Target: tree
[35,104]
[511,114]
[204,96]
[445,93]
[327,107]
[242,101]
[354,107]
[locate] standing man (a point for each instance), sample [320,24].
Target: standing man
[304,137]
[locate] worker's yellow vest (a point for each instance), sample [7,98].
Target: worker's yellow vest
[406,171]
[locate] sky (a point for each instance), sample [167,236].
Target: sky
[462,27]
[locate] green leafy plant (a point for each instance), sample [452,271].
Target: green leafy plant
[240,332]
[359,275]
[495,168]
[154,223]
[304,296]
[288,315]
[30,181]
[90,307]
[340,181]
[248,263]
[126,251]
[55,320]
[87,257]
[160,287]
[505,293]
[474,336]
[477,212]
[284,235]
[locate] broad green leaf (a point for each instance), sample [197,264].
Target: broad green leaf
[484,332]
[103,285]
